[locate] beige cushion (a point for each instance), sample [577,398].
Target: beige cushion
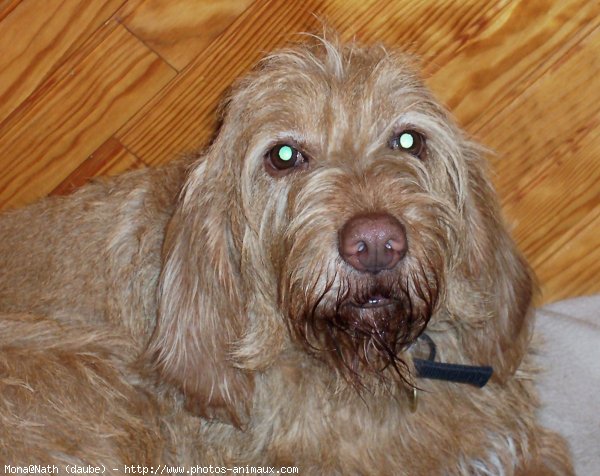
[570,384]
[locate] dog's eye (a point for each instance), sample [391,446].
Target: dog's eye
[284,157]
[409,141]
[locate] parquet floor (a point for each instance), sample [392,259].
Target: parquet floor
[98,87]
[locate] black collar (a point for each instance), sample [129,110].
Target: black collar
[429,368]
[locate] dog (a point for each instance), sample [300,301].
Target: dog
[320,288]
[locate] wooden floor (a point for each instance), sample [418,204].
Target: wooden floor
[98,87]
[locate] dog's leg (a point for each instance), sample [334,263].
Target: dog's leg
[68,396]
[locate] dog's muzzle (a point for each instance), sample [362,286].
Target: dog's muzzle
[374,308]
[373,244]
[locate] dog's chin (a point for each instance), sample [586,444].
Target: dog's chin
[363,334]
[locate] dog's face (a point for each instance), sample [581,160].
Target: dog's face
[352,182]
[341,202]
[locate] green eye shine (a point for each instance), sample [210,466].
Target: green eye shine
[409,141]
[406,140]
[284,157]
[286,153]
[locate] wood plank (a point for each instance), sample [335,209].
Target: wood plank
[433,31]
[519,48]
[574,266]
[110,159]
[71,115]
[179,30]
[34,44]
[547,168]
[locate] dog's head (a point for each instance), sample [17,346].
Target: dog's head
[339,211]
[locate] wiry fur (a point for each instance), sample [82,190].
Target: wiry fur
[216,279]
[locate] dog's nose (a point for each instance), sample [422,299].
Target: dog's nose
[372,242]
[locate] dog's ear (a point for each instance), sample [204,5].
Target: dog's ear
[500,335]
[200,294]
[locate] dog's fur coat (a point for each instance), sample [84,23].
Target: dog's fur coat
[202,314]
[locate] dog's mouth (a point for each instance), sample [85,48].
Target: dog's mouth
[373,301]
[365,326]
[379,315]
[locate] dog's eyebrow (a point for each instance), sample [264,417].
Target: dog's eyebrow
[269,139]
[427,124]
[404,120]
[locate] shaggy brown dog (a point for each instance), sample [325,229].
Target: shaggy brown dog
[262,303]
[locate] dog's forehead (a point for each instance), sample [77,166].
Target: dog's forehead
[335,94]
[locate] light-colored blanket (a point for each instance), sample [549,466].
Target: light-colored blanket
[570,384]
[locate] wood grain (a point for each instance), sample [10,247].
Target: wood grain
[547,166]
[519,48]
[72,115]
[433,31]
[572,268]
[34,44]
[179,30]
[110,159]
[7,6]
